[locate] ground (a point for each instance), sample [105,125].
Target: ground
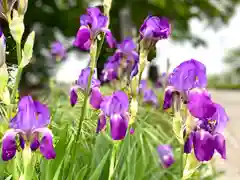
[231,101]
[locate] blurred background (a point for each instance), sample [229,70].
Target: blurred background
[206,30]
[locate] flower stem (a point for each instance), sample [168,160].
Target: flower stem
[93,51]
[27,158]
[113,160]
[19,73]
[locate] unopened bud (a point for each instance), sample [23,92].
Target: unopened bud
[22,6]
[133,110]
[17,26]
[2,49]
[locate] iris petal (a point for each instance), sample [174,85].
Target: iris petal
[101,123]
[204,144]
[73,97]
[83,39]
[166,155]
[119,125]
[96,98]
[46,143]
[9,145]
[220,144]
[168,98]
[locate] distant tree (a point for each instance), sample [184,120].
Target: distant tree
[232,59]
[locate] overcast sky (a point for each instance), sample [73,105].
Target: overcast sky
[219,43]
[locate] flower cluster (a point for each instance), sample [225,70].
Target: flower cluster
[149,96]
[82,84]
[28,125]
[188,81]
[58,50]
[91,25]
[115,108]
[125,60]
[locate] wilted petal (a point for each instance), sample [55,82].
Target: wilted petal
[220,144]
[166,155]
[46,143]
[101,123]
[73,97]
[96,98]
[200,104]
[221,118]
[188,144]
[119,125]
[83,38]
[168,97]
[203,143]
[9,145]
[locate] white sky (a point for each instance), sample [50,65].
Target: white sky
[219,43]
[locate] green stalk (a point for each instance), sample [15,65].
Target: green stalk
[27,159]
[113,160]
[19,73]
[93,51]
[142,64]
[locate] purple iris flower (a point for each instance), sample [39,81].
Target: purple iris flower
[168,97]
[58,50]
[153,29]
[30,122]
[208,134]
[142,86]
[110,71]
[82,83]
[186,76]
[118,103]
[200,104]
[91,24]
[131,131]
[150,97]
[125,57]
[101,125]
[116,108]
[96,98]
[2,48]
[189,74]
[166,155]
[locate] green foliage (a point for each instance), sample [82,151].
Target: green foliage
[136,158]
[226,86]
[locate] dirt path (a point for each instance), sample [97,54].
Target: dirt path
[230,100]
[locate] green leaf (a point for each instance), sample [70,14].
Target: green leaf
[3,78]
[177,128]
[96,174]
[191,165]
